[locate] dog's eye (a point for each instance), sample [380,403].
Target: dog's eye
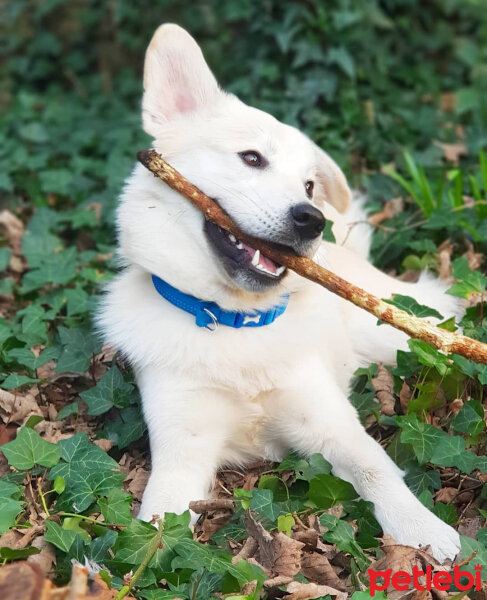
[253,158]
[308,186]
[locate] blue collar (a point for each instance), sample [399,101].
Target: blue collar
[210,315]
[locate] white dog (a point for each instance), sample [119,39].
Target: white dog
[216,394]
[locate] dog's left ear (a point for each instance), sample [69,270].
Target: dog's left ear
[177,80]
[332,183]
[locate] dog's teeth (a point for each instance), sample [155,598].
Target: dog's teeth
[240,246]
[280,270]
[233,239]
[256,258]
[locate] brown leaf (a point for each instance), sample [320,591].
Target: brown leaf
[10,538]
[136,481]
[405,396]
[21,581]
[278,553]
[396,556]
[456,405]
[308,591]
[448,101]
[383,385]
[452,152]
[104,444]
[47,556]
[444,256]
[446,494]
[391,208]
[317,568]
[15,408]
[474,259]
[14,230]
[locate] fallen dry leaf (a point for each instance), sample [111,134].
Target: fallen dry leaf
[391,208]
[444,256]
[456,405]
[446,494]
[474,259]
[21,581]
[405,396]
[383,385]
[278,553]
[104,444]
[308,591]
[452,152]
[448,101]
[317,568]
[46,558]
[136,481]
[15,408]
[14,230]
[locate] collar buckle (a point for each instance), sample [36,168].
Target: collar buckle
[213,324]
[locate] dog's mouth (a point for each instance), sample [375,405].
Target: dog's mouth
[246,265]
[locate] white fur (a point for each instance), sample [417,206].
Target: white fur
[211,399]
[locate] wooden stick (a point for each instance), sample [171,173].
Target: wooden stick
[421,329]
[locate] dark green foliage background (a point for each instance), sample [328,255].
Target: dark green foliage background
[361,78]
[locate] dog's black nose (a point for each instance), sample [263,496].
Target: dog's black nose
[308,221]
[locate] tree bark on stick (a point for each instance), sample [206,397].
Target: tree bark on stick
[415,327]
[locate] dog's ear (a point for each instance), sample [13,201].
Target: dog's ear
[177,80]
[332,183]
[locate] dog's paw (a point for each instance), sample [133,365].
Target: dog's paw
[421,528]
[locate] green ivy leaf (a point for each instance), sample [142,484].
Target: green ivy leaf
[98,549]
[59,537]
[327,490]
[412,307]
[10,503]
[29,449]
[420,479]
[286,523]
[450,451]
[14,380]
[422,437]
[429,356]
[78,347]
[470,418]
[471,282]
[342,534]
[263,503]
[5,255]
[127,428]
[112,390]
[17,553]
[116,507]
[68,410]
[88,472]
[26,357]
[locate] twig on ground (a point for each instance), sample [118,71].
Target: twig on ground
[201,506]
[447,341]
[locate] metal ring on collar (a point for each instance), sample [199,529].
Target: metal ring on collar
[211,326]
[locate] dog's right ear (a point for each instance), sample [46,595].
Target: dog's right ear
[177,80]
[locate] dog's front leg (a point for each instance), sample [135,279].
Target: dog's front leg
[188,426]
[313,414]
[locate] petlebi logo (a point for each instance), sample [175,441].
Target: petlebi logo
[442,581]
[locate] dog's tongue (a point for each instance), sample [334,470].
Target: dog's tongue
[266,263]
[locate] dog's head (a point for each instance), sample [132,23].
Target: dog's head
[270,178]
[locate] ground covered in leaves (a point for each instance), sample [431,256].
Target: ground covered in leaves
[73,452]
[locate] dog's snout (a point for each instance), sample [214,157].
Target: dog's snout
[308,220]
